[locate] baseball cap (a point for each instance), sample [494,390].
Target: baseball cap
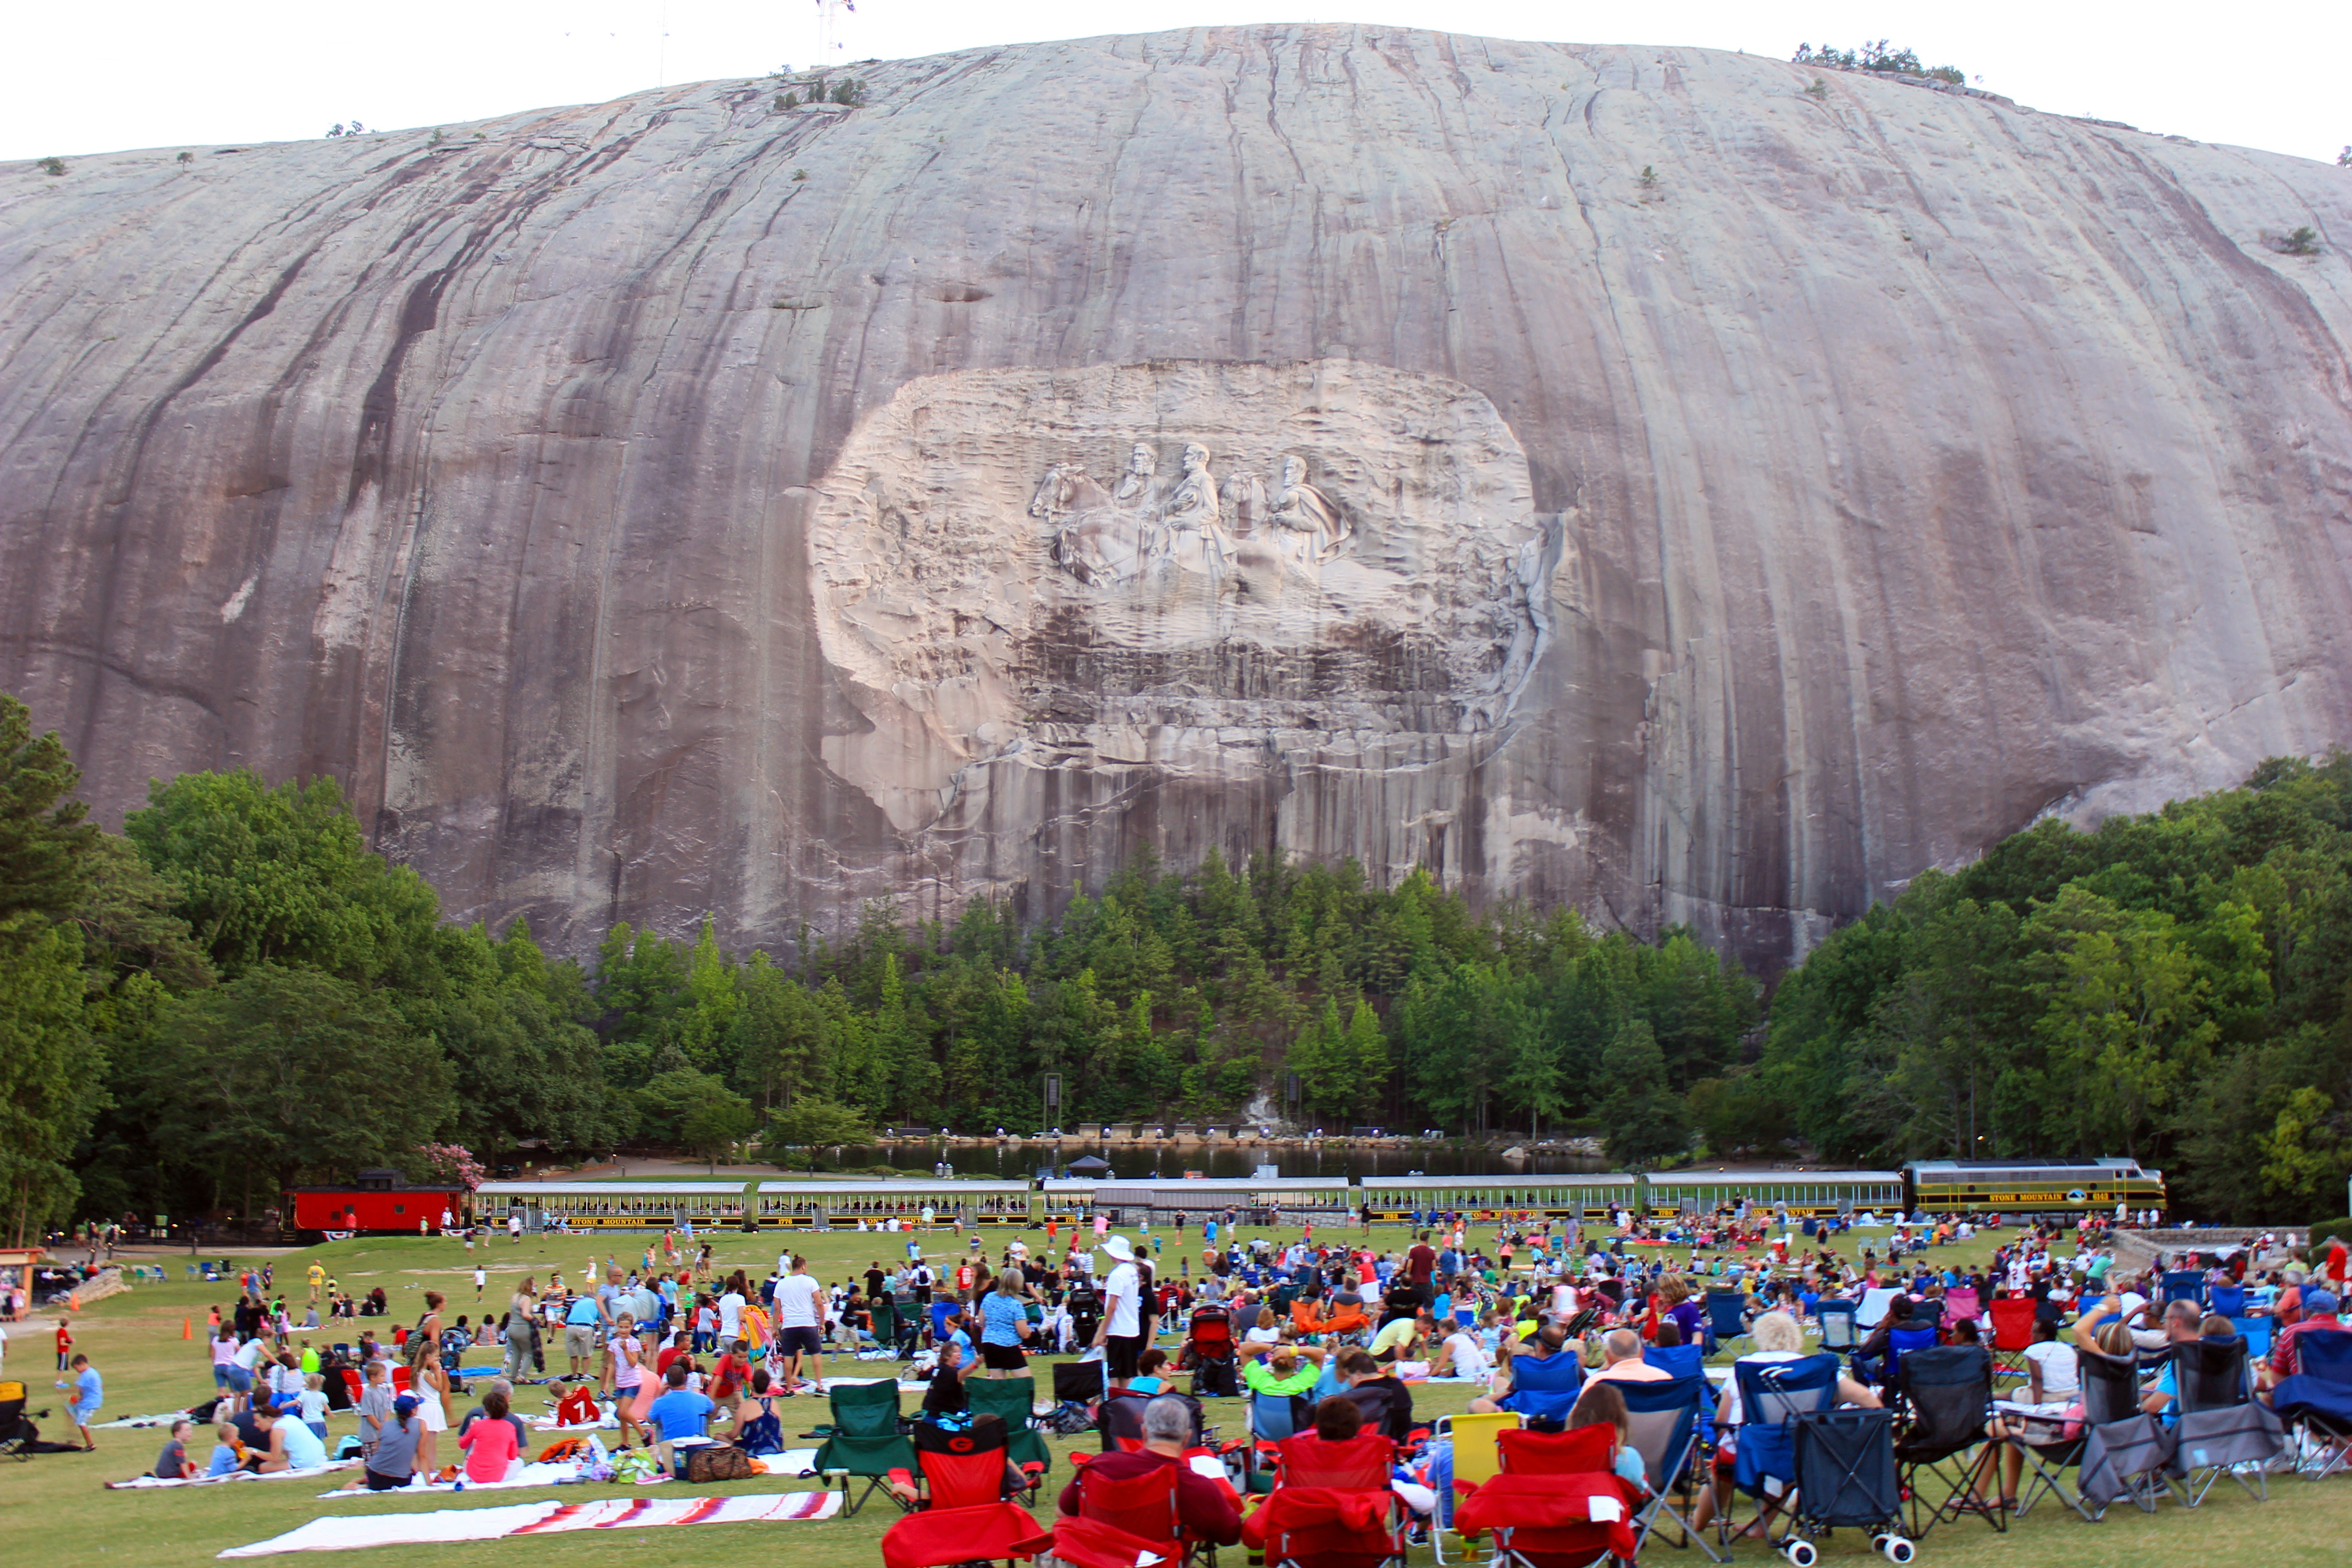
[405,1406]
[2318,1304]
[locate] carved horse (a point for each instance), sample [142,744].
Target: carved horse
[1094,539]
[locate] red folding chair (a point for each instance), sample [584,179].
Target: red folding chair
[401,1380]
[1331,1506]
[2013,1331]
[1582,1451]
[962,1514]
[1119,1521]
[1557,1503]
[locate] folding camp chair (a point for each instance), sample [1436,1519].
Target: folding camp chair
[2256,1332]
[1665,1416]
[1557,1504]
[1845,1477]
[1885,1371]
[1961,1305]
[1331,1506]
[1726,1318]
[1945,1393]
[2316,1401]
[865,1440]
[2223,1430]
[1120,1524]
[2124,1450]
[962,1514]
[2229,1300]
[16,1430]
[2012,1332]
[2182,1285]
[1013,1401]
[1838,1332]
[1476,1459]
[1773,1394]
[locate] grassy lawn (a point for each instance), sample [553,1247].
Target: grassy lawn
[134,1339]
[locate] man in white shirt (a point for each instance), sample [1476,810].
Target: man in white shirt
[1121,1331]
[730,1318]
[800,1320]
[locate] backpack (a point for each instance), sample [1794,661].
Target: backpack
[719,1462]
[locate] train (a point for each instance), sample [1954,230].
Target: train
[1932,1187]
[373,1203]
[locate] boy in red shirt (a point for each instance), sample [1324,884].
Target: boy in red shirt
[65,1342]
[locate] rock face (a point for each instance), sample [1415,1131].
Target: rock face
[1656,479]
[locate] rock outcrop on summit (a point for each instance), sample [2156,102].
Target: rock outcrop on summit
[1684,483]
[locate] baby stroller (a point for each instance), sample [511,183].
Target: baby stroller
[17,1430]
[1208,1354]
[1079,1388]
[1085,1314]
[1845,1477]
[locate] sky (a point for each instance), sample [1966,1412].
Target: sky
[139,73]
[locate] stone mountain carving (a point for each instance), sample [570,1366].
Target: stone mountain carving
[1119,622]
[639,529]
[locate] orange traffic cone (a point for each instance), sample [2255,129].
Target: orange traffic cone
[187,1328]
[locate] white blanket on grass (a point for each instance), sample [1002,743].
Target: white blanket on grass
[348,1533]
[143,1483]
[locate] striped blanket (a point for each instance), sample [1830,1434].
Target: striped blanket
[350,1533]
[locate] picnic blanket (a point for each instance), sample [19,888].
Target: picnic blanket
[349,1532]
[566,1472]
[143,1483]
[164,1420]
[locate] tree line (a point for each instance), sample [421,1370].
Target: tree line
[2173,986]
[234,993]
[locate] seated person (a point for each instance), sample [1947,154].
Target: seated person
[1148,1368]
[1778,1338]
[1539,1377]
[1379,1393]
[490,1443]
[1204,1508]
[173,1464]
[1402,1339]
[292,1445]
[1460,1355]
[227,1457]
[1601,1406]
[680,1412]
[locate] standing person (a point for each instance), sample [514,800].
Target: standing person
[731,1312]
[88,1393]
[64,1344]
[375,1407]
[514,1225]
[800,1325]
[481,1278]
[628,1376]
[580,1322]
[1003,1324]
[1121,1331]
[317,1277]
[522,1329]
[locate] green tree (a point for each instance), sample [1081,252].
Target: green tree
[812,1121]
[284,1070]
[1645,1122]
[45,843]
[51,1071]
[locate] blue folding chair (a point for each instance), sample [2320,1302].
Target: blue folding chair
[1727,1317]
[1838,1334]
[1773,1394]
[1666,1419]
[2229,1300]
[2183,1285]
[2316,1401]
[2255,1331]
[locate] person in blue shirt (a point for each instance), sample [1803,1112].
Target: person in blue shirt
[678,1412]
[88,1393]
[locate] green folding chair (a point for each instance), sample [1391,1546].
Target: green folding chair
[1013,1400]
[865,1441]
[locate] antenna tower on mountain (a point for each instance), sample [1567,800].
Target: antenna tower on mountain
[827,12]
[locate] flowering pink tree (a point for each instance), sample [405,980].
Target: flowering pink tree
[453,1162]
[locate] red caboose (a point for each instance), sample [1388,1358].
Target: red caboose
[378,1202]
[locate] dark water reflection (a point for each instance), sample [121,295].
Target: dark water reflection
[1132,1162]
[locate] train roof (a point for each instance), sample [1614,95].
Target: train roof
[902,1186]
[1200,1183]
[1498,1184]
[1769,1178]
[2023,1170]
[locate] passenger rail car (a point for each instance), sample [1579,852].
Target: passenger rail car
[2032,1187]
[1396,1199]
[1670,1193]
[622,1205]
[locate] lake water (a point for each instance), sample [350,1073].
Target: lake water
[1133,1162]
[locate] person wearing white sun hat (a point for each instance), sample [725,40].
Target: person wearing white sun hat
[1121,1333]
